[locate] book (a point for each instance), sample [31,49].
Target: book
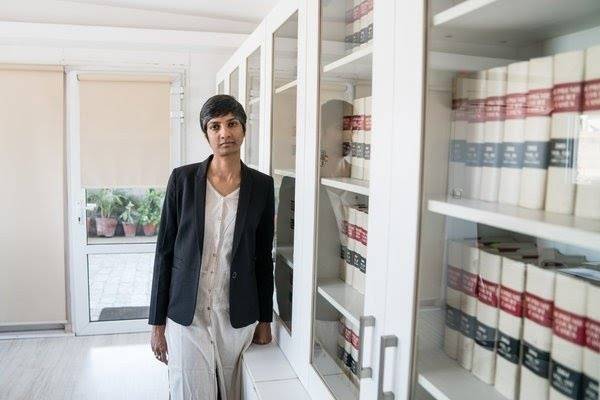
[587,199]
[514,133]
[537,133]
[453,294]
[567,96]
[476,88]
[495,106]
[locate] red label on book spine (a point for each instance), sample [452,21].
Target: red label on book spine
[495,108]
[539,103]
[453,277]
[367,122]
[369,5]
[487,292]
[355,340]
[592,335]
[569,326]
[356,13]
[566,97]
[469,283]
[538,310]
[515,105]
[345,227]
[591,95]
[477,110]
[348,334]
[351,228]
[364,8]
[347,123]
[511,301]
[358,122]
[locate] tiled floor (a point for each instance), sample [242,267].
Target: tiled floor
[115,367]
[118,280]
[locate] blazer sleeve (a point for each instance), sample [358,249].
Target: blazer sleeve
[264,258]
[163,258]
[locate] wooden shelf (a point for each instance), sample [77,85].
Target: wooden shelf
[568,229]
[512,22]
[345,299]
[287,253]
[285,172]
[349,184]
[357,65]
[285,87]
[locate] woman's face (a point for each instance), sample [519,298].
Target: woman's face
[225,135]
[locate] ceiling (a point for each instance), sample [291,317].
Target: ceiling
[233,16]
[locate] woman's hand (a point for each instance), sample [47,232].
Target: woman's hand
[158,342]
[262,333]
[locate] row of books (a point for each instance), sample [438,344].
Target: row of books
[356,138]
[348,343]
[359,23]
[353,253]
[518,136]
[523,319]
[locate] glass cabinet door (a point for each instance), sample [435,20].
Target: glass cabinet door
[343,194]
[234,83]
[283,161]
[251,143]
[509,280]
[221,87]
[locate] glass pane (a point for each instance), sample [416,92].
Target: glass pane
[253,108]
[123,215]
[283,160]
[119,286]
[508,306]
[221,88]
[342,224]
[234,86]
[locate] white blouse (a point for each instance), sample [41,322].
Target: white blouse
[219,224]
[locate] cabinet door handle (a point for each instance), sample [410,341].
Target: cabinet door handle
[386,342]
[365,321]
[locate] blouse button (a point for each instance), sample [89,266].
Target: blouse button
[234,275]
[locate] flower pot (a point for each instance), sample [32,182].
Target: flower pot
[129,229]
[90,223]
[149,229]
[106,226]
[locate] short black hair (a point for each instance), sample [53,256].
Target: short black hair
[218,106]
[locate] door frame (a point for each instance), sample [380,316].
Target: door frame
[77,248]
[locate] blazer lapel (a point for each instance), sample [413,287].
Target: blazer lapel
[243,203]
[199,201]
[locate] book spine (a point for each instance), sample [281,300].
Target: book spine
[358,139]
[453,293]
[537,133]
[475,133]
[367,145]
[458,140]
[591,353]
[567,96]
[468,304]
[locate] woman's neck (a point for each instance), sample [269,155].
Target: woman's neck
[225,169]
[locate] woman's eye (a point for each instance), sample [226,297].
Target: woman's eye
[233,123]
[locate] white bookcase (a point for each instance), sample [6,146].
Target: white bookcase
[300,78]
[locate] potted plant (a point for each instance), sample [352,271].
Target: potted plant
[106,200]
[150,210]
[129,219]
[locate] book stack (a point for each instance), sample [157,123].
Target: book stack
[353,254]
[531,136]
[359,24]
[361,138]
[348,343]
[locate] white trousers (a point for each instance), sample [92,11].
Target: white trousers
[208,349]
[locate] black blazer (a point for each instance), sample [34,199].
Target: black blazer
[179,248]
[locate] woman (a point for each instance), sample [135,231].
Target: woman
[212,289]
